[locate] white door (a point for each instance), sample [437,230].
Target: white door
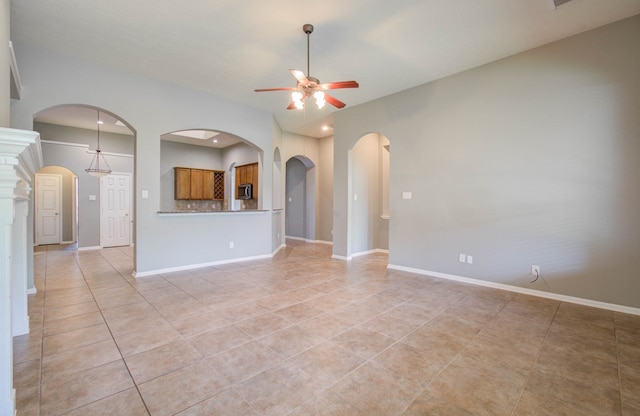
[48,208]
[115,219]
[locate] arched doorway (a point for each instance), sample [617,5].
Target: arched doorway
[369,183]
[69,135]
[300,194]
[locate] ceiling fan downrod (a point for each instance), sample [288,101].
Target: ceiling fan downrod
[308,29]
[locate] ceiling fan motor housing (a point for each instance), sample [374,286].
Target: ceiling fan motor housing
[307,28]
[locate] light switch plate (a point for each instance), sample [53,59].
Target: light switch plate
[92,197]
[406,195]
[145,194]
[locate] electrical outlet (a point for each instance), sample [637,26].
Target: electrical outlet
[462,258]
[535,270]
[231,244]
[469,259]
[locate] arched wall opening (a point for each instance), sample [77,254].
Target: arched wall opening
[369,167]
[219,155]
[300,194]
[69,139]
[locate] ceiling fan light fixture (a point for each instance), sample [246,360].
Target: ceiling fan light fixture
[320,101]
[296,97]
[308,86]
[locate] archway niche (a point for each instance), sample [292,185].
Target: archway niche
[300,193]
[369,184]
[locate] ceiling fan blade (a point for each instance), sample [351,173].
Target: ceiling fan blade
[276,89]
[339,84]
[300,76]
[333,101]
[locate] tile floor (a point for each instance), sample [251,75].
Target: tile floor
[302,334]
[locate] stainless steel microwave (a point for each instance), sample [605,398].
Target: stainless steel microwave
[245,191]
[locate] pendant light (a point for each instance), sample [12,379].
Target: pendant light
[99,165]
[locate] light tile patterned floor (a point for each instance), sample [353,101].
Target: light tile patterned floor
[303,334]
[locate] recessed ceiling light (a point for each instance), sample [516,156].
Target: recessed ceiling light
[100,122]
[215,140]
[325,127]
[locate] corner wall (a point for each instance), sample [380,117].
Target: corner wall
[533,159]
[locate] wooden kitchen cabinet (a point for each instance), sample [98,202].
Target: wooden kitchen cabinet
[247,174]
[254,180]
[198,184]
[207,184]
[182,187]
[197,190]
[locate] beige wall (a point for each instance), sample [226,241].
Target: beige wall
[533,159]
[324,211]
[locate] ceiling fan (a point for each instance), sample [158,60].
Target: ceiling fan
[309,86]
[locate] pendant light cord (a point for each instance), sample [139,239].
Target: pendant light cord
[98,122]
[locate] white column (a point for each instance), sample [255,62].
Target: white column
[19,298]
[7,393]
[20,158]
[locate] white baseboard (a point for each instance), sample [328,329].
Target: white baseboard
[198,266]
[330,243]
[533,292]
[89,248]
[306,240]
[278,249]
[375,250]
[361,253]
[32,291]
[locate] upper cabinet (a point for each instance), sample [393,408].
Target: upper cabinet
[198,184]
[248,174]
[182,183]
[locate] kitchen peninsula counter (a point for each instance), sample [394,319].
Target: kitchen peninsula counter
[178,212]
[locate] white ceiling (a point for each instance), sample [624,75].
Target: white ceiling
[230,47]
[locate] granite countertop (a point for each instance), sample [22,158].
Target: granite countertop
[211,211]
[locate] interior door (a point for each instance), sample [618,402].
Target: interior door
[48,208]
[114,214]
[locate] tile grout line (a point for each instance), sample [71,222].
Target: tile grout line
[615,334]
[76,257]
[535,362]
